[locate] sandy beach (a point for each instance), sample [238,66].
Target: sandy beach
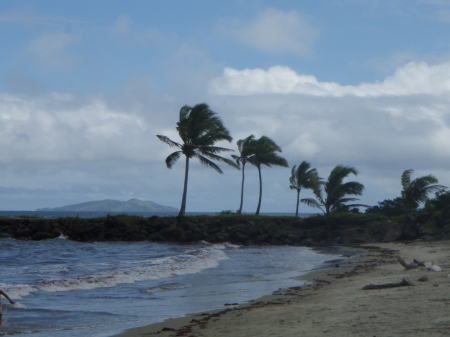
[334,302]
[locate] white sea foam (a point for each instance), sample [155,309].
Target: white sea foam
[17,291]
[230,245]
[187,263]
[171,286]
[18,305]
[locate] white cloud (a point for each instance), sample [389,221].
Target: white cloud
[411,79]
[122,25]
[53,50]
[105,145]
[276,32]
[380,128]
[69,128]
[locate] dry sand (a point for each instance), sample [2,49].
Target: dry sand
[335,304]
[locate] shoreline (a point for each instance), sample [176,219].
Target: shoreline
[334,302]
[172,326]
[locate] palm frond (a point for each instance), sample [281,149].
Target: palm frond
[238,160]
[344,200]
[358,205]
[213,149]
[416,192]
[169,142]
[213,156]
[208,163]
[312,203]
[406,178]
[245,146]
[172,158]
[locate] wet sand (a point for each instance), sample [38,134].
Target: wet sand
[334,302]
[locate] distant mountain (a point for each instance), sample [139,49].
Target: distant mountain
[133,205]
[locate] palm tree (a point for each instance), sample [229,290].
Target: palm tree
[416,191]
[332,195]
[265,154]
[199,128]
[246,151]
[303,177]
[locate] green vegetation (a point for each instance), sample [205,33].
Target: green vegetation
[352,215]
[228,212]
[389,208]
[331,195]
[303,177]
[246,151]
[416,192]
[265,153]
[199,129]
[441,203]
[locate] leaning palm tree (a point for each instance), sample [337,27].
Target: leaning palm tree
[265,153]
[416,191]
[331,195]
[199,129]
[246,151]
[303,177]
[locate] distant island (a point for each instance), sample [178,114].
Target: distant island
[133,205]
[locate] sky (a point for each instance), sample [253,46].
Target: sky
[85,87]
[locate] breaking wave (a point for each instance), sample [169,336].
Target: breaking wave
[189,262]
[170,286]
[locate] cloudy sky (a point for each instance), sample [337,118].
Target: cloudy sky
[85,87]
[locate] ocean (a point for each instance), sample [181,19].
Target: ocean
[76,289]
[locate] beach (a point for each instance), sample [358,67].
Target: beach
[334,303]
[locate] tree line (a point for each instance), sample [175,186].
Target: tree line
[200,128]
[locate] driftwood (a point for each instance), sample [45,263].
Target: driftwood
[410,265]
[403,283]
[422,264]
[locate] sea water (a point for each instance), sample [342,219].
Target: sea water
[76,289]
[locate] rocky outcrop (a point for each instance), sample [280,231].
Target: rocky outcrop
[240,230]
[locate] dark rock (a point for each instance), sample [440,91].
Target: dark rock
[410,231]
[387,230]
[307,242]
[42,236]
[138,237]
[114,223]
[238,238]
[318,234]
[354,235]
[423,217]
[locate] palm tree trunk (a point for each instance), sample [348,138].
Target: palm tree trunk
[260,190]
[298,201]
[242,190]
[327,220]
[183,200]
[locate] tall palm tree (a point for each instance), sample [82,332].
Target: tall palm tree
[265,154]
[416,191]
[199,128]
[332,194]
[246,151]
[303,177]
